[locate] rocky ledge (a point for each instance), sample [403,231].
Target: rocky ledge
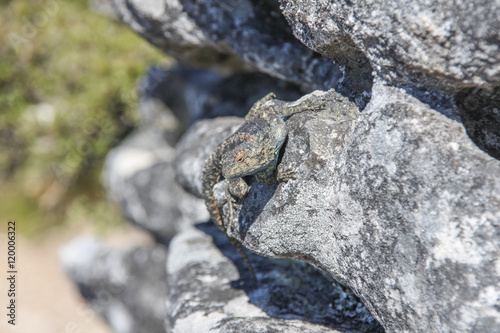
[397,189]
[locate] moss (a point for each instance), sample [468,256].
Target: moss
[67,82]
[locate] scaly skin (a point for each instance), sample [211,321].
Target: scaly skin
[252,150]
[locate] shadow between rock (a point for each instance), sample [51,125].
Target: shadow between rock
[252,206]
[479,110]
[290,289]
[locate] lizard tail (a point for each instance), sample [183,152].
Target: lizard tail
[240,249]
[210,174]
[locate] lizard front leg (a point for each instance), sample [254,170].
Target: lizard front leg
[236,188]
[284,175]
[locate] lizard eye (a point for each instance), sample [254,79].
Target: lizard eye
[240,157]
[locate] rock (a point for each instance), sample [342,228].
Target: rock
[127,287]
[211,33]
[258,34]
[441,45]
[290,297]
[134,292]
[396,203]
[139,175]
[193,94]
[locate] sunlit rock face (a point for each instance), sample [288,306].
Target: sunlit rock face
[397,181]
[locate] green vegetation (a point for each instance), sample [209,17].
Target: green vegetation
[68,81]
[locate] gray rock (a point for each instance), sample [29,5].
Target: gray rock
[203,285]
[139,175]
[166,25]
[398,204]
[207,292]
[258,34]
[212,32]
[428,44]
[127,288]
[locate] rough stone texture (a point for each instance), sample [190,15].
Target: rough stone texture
[208,32]
[398,204]
[206,292]
[257,32]
[165,24]
[444,44]
[128,288]
[197,288]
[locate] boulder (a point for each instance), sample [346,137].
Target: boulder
[145,288]
[210,289]
[139,175]
[396,203]
[392,198]
[228,34]
[126,287]
[441,45]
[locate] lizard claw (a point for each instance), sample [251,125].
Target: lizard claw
[285,175]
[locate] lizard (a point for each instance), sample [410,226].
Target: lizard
[252,150]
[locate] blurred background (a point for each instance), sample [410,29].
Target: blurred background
[68,78]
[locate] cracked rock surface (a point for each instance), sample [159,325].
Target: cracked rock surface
[209,32]
[397,189]
[444,44]
[206,292]
[200,285]
[397,203]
